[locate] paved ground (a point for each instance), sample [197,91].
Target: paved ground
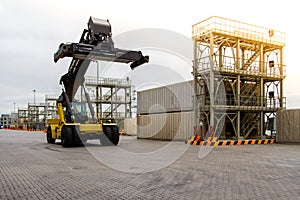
[32,169]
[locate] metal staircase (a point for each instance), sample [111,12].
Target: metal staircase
[247,123]
[251,60]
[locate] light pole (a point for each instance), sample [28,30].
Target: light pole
[15,115]
[34,96]
[35,110]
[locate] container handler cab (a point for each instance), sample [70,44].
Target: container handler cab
[76,122]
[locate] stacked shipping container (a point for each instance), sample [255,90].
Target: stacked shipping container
[288,125]
[166,113]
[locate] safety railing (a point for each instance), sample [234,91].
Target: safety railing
[238,29]
[275,70]
[107,81]
[230,100]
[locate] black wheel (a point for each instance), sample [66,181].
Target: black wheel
[111,135]
[107,137]
[67,136]
[76,136]
[116,135]
[50,140]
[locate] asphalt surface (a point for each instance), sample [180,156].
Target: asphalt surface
[145,169]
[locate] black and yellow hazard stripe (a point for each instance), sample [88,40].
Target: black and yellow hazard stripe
[193,141]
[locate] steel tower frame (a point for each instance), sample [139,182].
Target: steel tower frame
[112,97]
[238,78]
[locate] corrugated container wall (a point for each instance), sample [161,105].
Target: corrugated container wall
[288,125]
[130,126]
[166,126]
[172,98]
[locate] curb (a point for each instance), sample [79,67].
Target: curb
[213,142]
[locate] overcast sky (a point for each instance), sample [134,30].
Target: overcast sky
[31,31]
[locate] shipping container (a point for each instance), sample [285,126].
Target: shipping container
[288,125]
[166,126]
[172,98]
[130,126]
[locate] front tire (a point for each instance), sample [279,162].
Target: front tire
[116,135]
[67,136]
[110,136]
[50,140]
[76,136]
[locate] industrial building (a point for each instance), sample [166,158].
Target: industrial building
[8,120]
[238,82]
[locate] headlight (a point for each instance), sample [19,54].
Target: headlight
[72,118]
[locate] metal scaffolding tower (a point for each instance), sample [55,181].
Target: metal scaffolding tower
[36,116]
[50,101]
[22,118]
[238,75]
[112,97]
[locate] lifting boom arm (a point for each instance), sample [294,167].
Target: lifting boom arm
[95,44]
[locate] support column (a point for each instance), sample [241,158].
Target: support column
[130,102]
[97,101]
[211,85]
[237,58]
[220,57]
[262,58]
[262,99]
[101,112]
[262,121]
[238,122]
[243,58]
[238,89]
[111,102]
[281,81]
[195,99]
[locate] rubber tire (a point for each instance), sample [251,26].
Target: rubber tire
[110,136]
[50,140]
[76,136]
[116,135]
[67,136]
[107,137]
